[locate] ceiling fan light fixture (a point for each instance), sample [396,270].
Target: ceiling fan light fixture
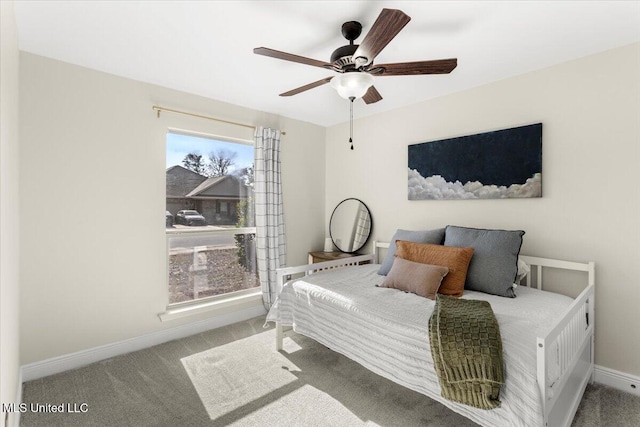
[352,85]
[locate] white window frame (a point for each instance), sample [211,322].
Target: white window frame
[215,302]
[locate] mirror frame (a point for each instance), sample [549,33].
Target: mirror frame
[370,228]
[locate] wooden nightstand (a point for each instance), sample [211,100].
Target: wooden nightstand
[321,256]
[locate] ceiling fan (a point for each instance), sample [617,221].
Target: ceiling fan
[355,62]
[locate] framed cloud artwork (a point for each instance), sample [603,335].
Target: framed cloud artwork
[502,164]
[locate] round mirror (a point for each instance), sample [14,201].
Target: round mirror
[350,225]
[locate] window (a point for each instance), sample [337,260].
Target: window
[210,218]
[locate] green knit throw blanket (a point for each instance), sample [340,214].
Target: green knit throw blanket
[467,351]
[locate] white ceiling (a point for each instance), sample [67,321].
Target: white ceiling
[205,47]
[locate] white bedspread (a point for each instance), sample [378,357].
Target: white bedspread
[386,331]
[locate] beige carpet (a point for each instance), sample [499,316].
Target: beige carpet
[233,376]
[247,383]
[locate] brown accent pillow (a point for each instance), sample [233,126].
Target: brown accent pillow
[455,258]
[415,277]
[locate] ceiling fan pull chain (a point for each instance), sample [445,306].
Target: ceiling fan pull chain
[351,122]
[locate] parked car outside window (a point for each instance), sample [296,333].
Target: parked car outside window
[169,219]
[190,218]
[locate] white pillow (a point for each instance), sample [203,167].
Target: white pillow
[523,270]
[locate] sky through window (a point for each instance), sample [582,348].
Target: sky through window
[178,146]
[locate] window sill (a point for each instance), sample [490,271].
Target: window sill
[173,313]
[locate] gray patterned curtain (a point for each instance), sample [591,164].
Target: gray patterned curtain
[270,238]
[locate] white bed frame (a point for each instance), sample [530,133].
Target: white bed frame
[568,338]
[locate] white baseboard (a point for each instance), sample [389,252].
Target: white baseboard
[618,380]
[59,364]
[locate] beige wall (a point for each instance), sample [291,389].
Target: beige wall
[590,210]
[90,141]
[92,272]
[9,217]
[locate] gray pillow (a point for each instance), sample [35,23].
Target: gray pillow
[494,264]
[434,237]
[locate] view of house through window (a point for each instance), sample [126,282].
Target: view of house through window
[210,219]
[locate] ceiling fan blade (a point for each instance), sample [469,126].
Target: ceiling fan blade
[386,27]
[307,87]
[372,96]
[265,51]
[438,66]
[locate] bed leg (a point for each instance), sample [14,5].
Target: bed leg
[593,360]
[279,336]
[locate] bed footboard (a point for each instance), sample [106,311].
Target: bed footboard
[283,274]
[565,354]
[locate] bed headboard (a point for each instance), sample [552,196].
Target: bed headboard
[538,264]
[376,250]
[535,264]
